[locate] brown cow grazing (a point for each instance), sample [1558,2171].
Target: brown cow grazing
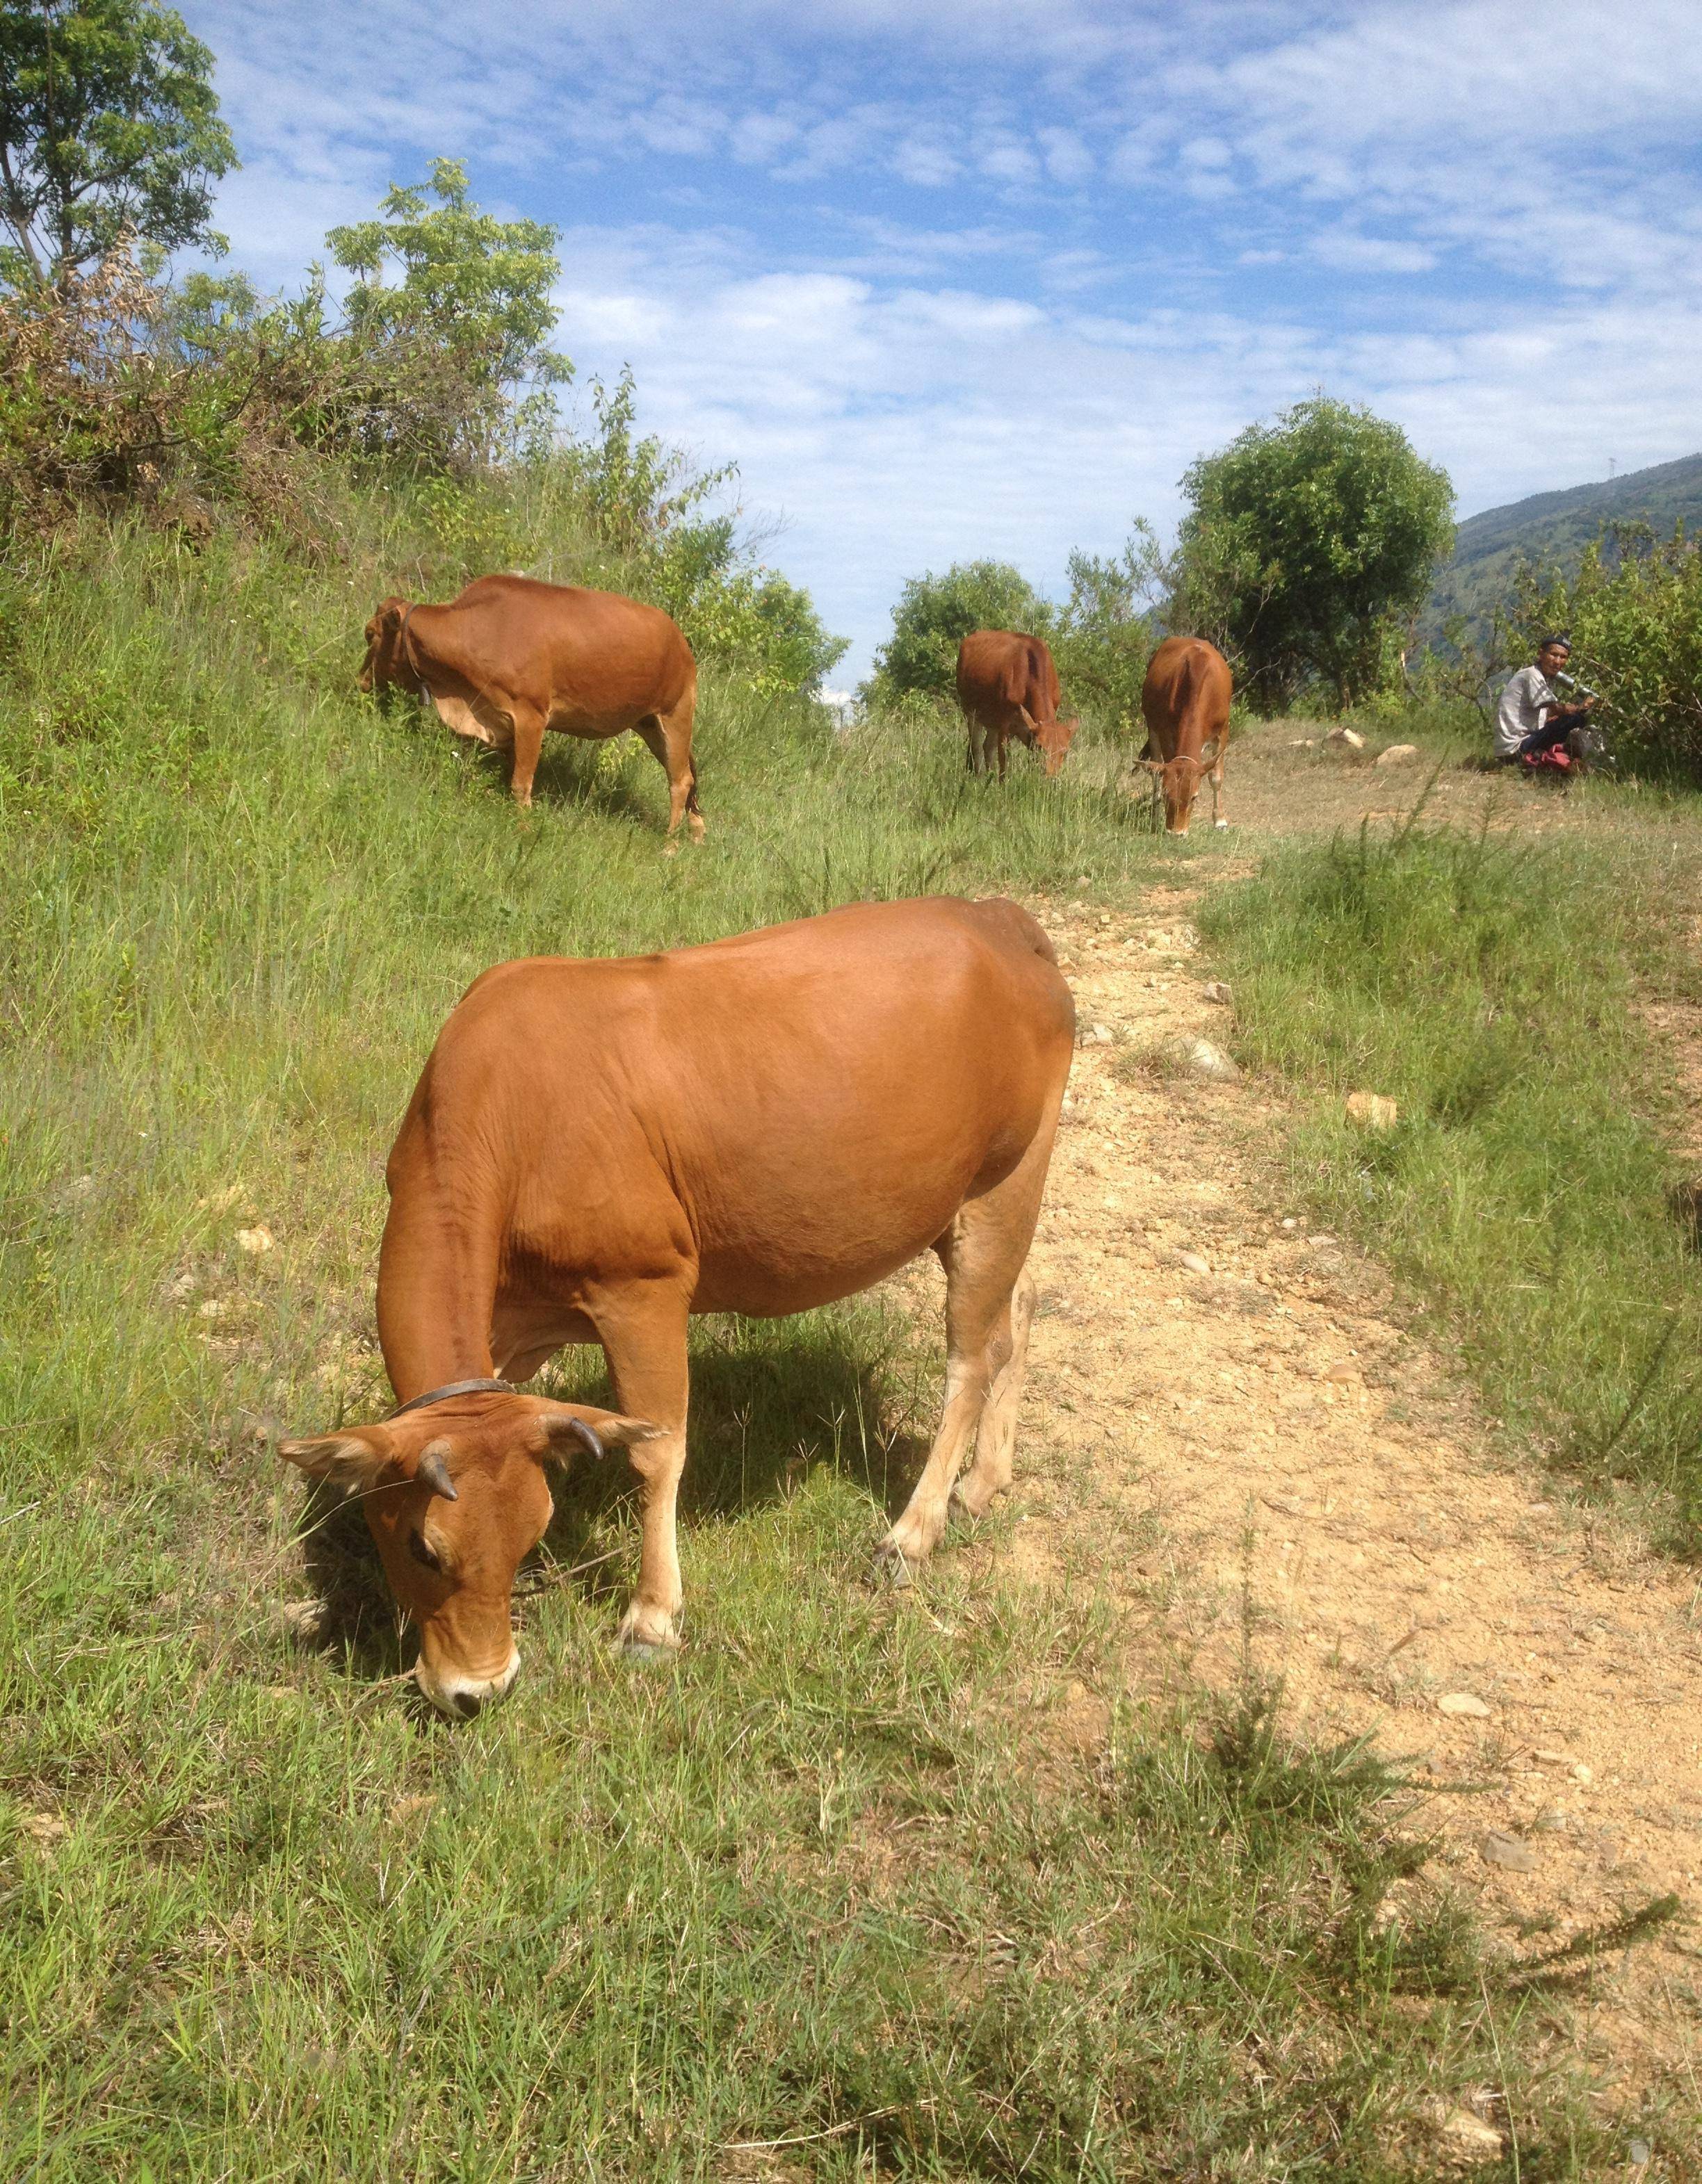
[598,1150]
[1185,702]
[1008,687]
[511,657]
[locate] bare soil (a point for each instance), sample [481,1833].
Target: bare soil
[1254,1444]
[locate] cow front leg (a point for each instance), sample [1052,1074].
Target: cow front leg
[1218,820]
[528,747]
[644,1339]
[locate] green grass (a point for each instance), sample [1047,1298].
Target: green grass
[840,1880]
[1488,984]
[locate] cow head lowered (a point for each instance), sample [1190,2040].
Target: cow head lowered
[456,1498]
[386,665]
[1051,738]
[1178,781]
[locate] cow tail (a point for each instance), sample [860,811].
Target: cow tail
[691,802]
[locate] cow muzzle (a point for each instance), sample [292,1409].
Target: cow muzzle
[461,1697]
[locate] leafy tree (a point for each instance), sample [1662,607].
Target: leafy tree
[1102,638]
[935,614]
[1307,543]
[477,286]
[109,127]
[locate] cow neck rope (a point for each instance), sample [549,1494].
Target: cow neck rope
[455,1388]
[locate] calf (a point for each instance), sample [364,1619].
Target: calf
[598,1151]
[1185,702]
[511,657]
[1008,687]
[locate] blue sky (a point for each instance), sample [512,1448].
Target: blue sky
[958,277]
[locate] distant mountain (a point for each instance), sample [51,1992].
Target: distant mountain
[1553,528]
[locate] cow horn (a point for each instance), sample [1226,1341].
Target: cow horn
[582,1432]
[433,1474]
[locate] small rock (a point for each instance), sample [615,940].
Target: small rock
[1323,1241]
[1215,990]
[1204,1060]
[1349,738]
[1346,1371]
[1398,755]
[216,1307]
[408,1809]
[303,1619]
[1303,743]
[257,1241]
[44,1827]
[1462,1703]
[1192,1261]
[1555,1759]
[1639,2153]
[1508,1851]
[182,1289]
[1582,1774]
[1466,2129]
[1291,1223]
[1372,1112]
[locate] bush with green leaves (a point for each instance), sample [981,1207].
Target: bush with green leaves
[1308,545]
[1635,612]
[1100,637]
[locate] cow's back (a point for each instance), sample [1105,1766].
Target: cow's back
[1000,670]
[804,1108]
[1185,698]
[567,647]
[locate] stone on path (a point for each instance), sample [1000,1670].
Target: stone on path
[1202,1059]
[1192,1261]
[1349,738]
[1462,1703]
[1504,1850]
[1372,1112]
[1215,990]
[1397,755]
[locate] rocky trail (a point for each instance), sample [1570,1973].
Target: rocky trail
[1230,1420]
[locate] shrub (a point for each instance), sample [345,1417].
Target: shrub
[1634,610]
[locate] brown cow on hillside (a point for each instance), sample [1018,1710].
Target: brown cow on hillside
[1008,687]
[511,657]
[598,1151]
[1185,702]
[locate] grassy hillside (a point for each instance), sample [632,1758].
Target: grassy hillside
[1552,529]
[834,1896]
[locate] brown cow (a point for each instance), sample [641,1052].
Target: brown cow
[1185,702]
[1008,687]
[598,1150]
[511,657]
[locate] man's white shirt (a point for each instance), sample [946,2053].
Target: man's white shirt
[1521,709]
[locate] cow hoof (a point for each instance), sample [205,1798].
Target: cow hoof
[1223,824]
[647,1635]
[893,1567]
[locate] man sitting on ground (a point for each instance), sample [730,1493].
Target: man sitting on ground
[1532,720]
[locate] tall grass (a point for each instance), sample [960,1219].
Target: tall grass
[836,1895]
[1486,984]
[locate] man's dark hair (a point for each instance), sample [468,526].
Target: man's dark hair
[1556,637]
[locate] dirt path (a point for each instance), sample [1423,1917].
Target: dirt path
[1206,1373]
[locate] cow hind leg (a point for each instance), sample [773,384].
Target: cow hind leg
[668,737]
[989,1306]
[996,1436]
[528,747]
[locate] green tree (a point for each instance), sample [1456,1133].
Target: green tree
[935,614]
[477,286]
[109,127]
[1307,544]
[1102,638]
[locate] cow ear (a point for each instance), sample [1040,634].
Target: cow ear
[1028,718]
[345,1460]
[565,1429]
